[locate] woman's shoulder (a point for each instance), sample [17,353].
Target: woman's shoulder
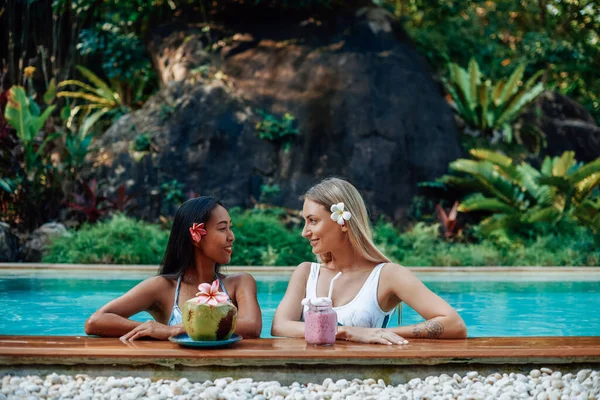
[303,269]
[391,268]
[238,277]
[161,281]
[238,282]
[397,274]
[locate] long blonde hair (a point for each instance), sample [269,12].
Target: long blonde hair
[334,190]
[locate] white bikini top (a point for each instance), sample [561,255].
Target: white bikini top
[363,310]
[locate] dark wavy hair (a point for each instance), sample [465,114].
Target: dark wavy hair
[179,254]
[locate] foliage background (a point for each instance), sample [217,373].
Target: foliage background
[42,43]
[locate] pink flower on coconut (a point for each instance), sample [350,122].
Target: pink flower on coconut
[197,231]
[210,294]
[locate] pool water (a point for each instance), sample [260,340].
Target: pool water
[43,304]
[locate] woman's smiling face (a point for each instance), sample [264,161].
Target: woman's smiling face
[217,244]
[324,234]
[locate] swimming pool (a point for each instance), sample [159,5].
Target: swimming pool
[57,302]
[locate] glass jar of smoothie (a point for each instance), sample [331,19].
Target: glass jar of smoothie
[320,322]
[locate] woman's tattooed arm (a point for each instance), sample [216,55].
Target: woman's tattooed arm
[431,329]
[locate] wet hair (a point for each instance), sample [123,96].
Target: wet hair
[334,190]
[179,255]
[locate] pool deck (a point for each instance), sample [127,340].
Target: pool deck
[288,360]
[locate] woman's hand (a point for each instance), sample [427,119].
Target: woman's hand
[370,335]
[154,330]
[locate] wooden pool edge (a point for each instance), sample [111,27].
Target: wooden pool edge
[291,360]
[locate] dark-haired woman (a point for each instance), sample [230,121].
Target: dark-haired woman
[201,240]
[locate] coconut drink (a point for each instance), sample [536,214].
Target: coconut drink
[209,316]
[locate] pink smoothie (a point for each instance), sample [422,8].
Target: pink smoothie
[320,325]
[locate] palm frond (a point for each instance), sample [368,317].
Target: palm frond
[512,84]
[562,164]
[543,214]
[479,202]
[88,97]
[102,87]
[585,171]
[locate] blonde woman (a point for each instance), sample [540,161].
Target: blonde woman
[369,287]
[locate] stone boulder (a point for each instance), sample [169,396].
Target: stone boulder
[567,126]
[10,248]
[40,238]
[207,144]
[366,105]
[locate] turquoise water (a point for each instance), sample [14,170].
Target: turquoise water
[46,305]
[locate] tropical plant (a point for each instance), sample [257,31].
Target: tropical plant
[100,100]
[173,192]
[520,195]
[28,180]
[142,142]
[448,220]
[122,202]
[560,37]
[269,193]
[491,108]
[90,203]
[23,114]
[281,131]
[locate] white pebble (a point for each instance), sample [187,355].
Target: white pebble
[220,383]
[342,383]
[211,393]
[542,396]
[540,384]
[557,384]
[557,374]
[414,382]
[583,375]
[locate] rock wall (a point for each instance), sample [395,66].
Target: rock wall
[366,105]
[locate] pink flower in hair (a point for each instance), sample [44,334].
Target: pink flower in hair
[210,294]
[197,231]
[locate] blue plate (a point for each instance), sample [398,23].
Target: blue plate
[185,340]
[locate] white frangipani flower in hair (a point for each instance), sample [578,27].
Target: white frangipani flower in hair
[339,215]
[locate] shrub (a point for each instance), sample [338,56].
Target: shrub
[422,246]
[120,240]
[262,239]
